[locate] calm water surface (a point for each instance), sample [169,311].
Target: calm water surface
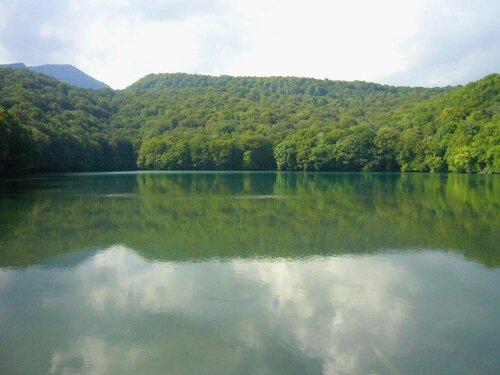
[250,273]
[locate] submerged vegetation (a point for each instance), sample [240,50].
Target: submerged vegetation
[181,121]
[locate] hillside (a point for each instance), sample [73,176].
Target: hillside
[275,85]
[182,121]
[49,126]
[64,73]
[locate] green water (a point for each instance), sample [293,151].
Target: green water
[250,273]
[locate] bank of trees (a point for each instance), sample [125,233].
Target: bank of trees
[203,151]
[372,129]
[49,126]
[181,121]
[17,148]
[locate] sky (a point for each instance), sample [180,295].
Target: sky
[399,42]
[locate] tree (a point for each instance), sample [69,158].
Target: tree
[285,155]
[17,151]
[257,152]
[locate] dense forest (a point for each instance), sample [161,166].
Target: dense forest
[182,121]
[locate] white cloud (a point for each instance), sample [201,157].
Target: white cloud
[400,42]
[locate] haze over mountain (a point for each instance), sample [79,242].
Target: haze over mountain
[65,73]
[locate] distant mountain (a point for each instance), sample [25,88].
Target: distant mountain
[65,73]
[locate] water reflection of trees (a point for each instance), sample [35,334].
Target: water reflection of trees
[197,215]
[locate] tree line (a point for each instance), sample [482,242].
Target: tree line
[182,121]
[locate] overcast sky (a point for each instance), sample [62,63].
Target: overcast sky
[413,42]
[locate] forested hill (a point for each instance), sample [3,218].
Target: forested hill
[182,121]
[50,126]
[279,85]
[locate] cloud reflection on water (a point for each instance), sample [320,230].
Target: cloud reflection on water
[421,312]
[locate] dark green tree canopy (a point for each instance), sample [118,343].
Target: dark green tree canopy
[184,121]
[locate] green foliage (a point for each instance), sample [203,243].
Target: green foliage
[60,128]
[386,144]
[17,148]
[285,154]
[458,131]
[188,149]
[182,121]
[257,152]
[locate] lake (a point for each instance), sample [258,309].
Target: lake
[250,273]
